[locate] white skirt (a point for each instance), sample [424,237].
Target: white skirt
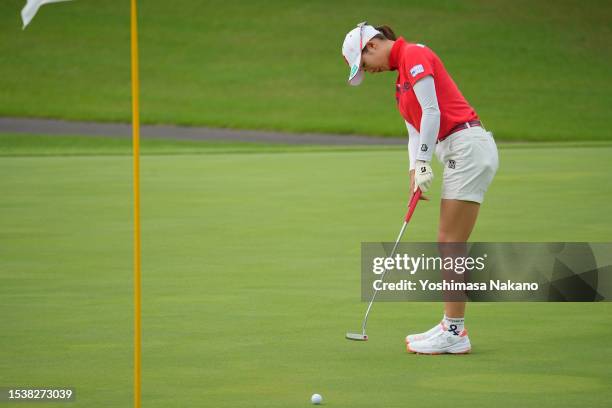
[470,162]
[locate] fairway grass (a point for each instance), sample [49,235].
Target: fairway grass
[533,70]
[14,144]
[251,278]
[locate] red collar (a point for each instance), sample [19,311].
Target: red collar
[394,55]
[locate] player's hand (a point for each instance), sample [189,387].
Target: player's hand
[413,189]
[423,176]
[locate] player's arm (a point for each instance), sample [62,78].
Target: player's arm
[413,144]
[425,91]
[413,148]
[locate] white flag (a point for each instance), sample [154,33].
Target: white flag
[30,9]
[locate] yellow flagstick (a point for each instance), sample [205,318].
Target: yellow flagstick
[136,168]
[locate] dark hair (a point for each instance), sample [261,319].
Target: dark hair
[387,33]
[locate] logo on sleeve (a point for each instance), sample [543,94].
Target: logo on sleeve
[416,70]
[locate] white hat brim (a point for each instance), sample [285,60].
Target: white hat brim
[357,78]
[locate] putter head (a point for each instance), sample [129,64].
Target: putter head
[356,336]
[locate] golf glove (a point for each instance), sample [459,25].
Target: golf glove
[423,176]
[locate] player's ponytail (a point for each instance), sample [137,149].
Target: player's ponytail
[387,32]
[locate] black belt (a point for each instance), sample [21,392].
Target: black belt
[461,126]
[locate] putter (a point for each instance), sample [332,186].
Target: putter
[411,206]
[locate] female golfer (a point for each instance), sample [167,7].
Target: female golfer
[438,118]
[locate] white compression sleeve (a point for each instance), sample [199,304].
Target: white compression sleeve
[425,91]
[413,144]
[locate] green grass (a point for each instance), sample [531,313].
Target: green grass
[251,278]
[13,144]
[47,145]
[534,70]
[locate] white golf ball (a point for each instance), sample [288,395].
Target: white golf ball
[316,399]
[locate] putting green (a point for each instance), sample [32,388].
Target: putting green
[251,278]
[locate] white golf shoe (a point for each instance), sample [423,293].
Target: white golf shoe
[425,335]
[444,342]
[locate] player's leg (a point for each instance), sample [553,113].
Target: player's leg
[457,220]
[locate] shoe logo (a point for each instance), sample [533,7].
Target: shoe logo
[453,329]
[451,164]
[424,147]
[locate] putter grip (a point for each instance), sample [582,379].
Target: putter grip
[412,205]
